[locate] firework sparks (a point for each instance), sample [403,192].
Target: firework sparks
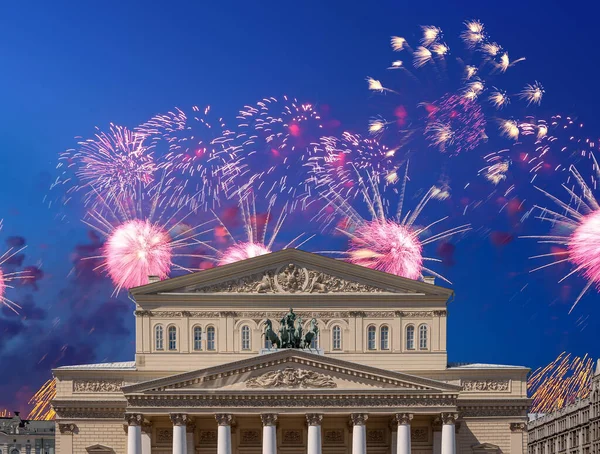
[421,56]
[7,277]
[560,383]
[510,129]
[533,93]
[499,98]
[42,402]
[474,34]
[497,167]
[390,244]
[430,34]
[398,43]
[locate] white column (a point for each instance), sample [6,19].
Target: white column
[269,441]
[448,433]
[179,430]
[403,445]
[437,435]
[314,432]
[359,433]
[224,433]
[134,433]
[147,438]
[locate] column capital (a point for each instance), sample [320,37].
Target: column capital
[518,427]
[179,419]
[67,429]
[134,419]
[147,427]
[403,418]
[269,419]
[449,418]
[190,427]
[359,419]
[437,424]
[314,419]
[224,419]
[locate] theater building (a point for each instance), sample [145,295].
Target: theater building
[371,374]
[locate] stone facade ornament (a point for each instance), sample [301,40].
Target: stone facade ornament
[208,437]
[164,436]
[437,424]
[224,419]
[147,427]
[359,419]
[448,418]
[404,418]
[97,386]
[67,429]
[291,378]
[133,419]
[292,437]
[333,437]
[518,427]
[179,419]
[419,434]
[250,437]
[314,419]
[376,436]
[269,419]
[486,385]
[190,427]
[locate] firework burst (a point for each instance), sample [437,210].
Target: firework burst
[560,383]
[42,402]
[393,244]
[197,153]
[7,277]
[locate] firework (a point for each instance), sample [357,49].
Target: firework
[560,383]
[256,238]
[339,161]
[496,168]
[390,244]
[8,276]
[42,402]
[449,123]
[276,136]
[113,164]
[579,221]
[143,240]
[197,153]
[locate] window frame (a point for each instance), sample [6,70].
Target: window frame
[197,342]
[211,330]
[159,340]
[371,343]
[426,338]
[385,328]
[410,345]
[336,329]
[170,329]
[246,328]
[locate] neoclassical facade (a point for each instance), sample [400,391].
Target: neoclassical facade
[206,381]
[574,429]
[23,436]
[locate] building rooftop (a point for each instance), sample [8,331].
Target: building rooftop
[124,365]
[482,366]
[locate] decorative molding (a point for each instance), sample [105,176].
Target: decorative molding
[314,419]
[376,436]
[518,427]
[403,418]
[67,429]
[224,419]
[89,413]
[292,437]
[448,418]
[289,278]
[147,427]
[269,419]
[164,435]
[291,378]
[491,385]
[259,316]
[208,437]
[97,386]
[250,437]
[419,434]
[134,419]
[179,419]
[190,427]
[436,425]
[482,412]
[228,314]
[333,437]
[359,419]
[419,314]
[143,313]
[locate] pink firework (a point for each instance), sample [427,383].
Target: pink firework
[393,244]
[114,164]
[242,251]
[135,250]
[579,245]
[387,246]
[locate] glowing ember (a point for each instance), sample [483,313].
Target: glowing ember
[42,402]
[387,246]
[135,250]
[242,251]
[2,285]
[584,247]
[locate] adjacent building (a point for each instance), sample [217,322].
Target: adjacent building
[375,377]
[22,436]
[574,429]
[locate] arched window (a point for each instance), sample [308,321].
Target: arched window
[198,338]
[423,337]
[245,337]
[210,338]
[410,337]
[384,337]
[371,338]
[336,338]
[314,344]
[158,337]
[172,338]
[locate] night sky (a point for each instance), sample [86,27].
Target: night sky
[70,66]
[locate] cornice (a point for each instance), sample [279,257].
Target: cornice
[321,314]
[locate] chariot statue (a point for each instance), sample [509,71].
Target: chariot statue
[291,333]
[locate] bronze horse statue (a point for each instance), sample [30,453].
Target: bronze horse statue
[270,334]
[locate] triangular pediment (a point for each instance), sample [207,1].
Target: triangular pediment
[486,448]
[291,271]
[99,449]
[287,370]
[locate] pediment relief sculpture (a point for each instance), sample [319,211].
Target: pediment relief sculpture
[291,378]
[289,278]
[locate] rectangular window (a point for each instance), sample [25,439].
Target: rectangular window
[210,338]
[245,338]
[385,338]
[198,338]
[337,338]
[371,338]
[172,338]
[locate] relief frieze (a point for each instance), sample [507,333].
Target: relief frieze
[333,437]
[97,386]
[291,378]
[292,437]
[486,385]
